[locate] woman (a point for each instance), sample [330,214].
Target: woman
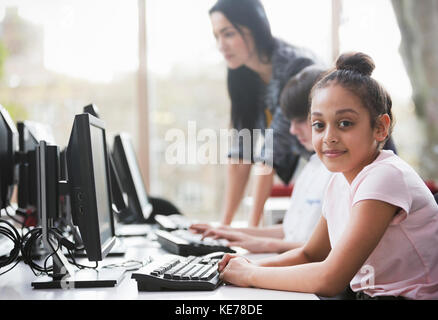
[259,66]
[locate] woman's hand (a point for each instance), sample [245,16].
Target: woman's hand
[236,270]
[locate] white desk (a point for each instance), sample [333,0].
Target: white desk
[16,285]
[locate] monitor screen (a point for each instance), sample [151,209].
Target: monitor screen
[101,182]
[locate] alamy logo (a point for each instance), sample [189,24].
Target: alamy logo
[64,282]
[207,146]
[367,280]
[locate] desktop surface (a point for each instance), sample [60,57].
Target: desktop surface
[16,284]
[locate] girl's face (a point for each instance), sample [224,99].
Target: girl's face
[302,129]
[341,131]
[236,48]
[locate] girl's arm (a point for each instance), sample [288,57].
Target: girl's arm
[316,249]
[368,222]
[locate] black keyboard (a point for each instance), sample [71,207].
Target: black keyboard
[186,243]
[170,272]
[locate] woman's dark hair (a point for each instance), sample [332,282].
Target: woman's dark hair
[295,97]
[249,14]
[243,83]
[353,72]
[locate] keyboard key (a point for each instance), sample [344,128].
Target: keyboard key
[178,275]
[193,271]
[198,275]
[169,274]
[210,273]
[174,262]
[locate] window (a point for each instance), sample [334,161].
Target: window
[63,55]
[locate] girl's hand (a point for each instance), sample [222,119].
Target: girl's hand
[235,270]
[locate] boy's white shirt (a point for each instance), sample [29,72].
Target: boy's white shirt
[306,201]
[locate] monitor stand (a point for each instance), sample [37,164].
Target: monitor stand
[84,278]
[67,276]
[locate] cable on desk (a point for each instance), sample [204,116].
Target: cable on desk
[28,242]
[80,266]
[129,265]
[71,247]
[10,232]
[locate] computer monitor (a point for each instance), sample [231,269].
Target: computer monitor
[88,188]
[30,135]
[126,163]
[89,181]
[8,150]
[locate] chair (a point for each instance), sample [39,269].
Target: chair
[161,206]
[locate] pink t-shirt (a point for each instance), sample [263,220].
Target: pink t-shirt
[405,262]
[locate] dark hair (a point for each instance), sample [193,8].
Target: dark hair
[250,14]
[295,97]
[353,72]
[244,83]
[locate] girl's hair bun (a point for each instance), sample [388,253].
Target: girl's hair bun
[357,62]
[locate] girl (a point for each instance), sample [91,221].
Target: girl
[259,66]
[379,226]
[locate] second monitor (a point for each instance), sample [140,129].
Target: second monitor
[139,206]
